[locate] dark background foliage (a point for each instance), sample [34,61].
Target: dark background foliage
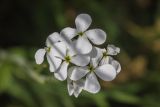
[133,25]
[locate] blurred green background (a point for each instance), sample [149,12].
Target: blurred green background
[133,25]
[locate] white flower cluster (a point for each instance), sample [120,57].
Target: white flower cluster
[72,55]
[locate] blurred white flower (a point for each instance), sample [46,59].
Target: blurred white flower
[83,46]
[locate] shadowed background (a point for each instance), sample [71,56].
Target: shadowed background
[133,25]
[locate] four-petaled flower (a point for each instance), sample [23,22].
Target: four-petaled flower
[83,21]
[104,71]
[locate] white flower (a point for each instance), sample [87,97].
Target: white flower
[50,52]
[106,72]
[64,53]
[112,50]
[110,60]
[83,46]
[74,87]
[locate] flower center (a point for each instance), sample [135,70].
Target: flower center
[90,68]
[80,33]
[67,59]
[48,49]
[105,54]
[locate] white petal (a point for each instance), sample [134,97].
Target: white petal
[61,73]
[116,65]
[70,45]
[69,32]
[93,52]
[71,49]
[59,50]
[110,59]
[78,73]
[97,57]
[83,21]
[97,36]
[83,46]
[70,86]
[106,72]
[78,87]
[70,70]
[112,50]
[53,38]
[92,85]
[54,62]
[104,50]
[80,60]
[106,60]
[39,56]
[77,92]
